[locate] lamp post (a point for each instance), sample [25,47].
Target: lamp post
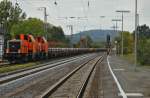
[136,25]
[102,17]
[122,12]
[116,47]
[45,20]
[116,30]
[71,36]
[116,20]
[71,26]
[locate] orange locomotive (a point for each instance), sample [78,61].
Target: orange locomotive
[25,48]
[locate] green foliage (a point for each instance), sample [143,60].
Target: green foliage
[127,42]
[143,51]
[13,19]
[35,27]
[10,14]
[144,32]
[89,41]
[30,26]
[98,45]
[56,33]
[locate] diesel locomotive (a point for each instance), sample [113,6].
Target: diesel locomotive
[25,48]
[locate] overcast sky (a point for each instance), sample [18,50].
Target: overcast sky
[79,8]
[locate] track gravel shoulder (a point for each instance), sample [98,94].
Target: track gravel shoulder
[101,84]
[72,86]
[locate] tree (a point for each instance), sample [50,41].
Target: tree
[35,27]
[144,53]
[143,46]
[89,41]
[143,32]
[57,33]
[128,42]
[10,14]
[32,26]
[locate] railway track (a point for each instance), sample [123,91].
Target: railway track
[42,63]
[4,64]
[64,87]
[21,84]
[25,72]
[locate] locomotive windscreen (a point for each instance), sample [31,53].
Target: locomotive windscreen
[14,46]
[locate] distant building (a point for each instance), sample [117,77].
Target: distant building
[83,42]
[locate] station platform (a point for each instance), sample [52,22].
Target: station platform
[135,83]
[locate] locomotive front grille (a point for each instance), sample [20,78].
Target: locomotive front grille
[14,46]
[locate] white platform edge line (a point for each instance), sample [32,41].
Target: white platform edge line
[118,69]
[123,94]
[133,94]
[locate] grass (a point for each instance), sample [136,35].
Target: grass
[129,57]
[16,67]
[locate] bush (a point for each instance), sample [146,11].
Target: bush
[144,53]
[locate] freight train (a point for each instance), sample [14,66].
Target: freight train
[25,48]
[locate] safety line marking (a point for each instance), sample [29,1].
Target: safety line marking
[119,69]
[122,92]
[133,94]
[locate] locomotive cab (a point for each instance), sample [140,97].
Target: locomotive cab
[42,47]
[17,49]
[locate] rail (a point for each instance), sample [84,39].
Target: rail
[53,88]
[35,70]
[81,92]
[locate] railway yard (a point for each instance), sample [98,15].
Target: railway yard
[74,49]
[91,75]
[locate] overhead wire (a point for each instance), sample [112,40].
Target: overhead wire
[29,4]
[26,1]
[36,7]
[83,8]
[57,7]
[84,13]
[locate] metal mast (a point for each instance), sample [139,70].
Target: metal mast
[122,12]
[136,25]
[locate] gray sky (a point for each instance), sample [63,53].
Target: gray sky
[79,8]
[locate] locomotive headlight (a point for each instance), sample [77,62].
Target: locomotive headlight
[19,51]
[7,50]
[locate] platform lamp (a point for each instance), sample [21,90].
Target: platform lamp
[122,12]
[136,25]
